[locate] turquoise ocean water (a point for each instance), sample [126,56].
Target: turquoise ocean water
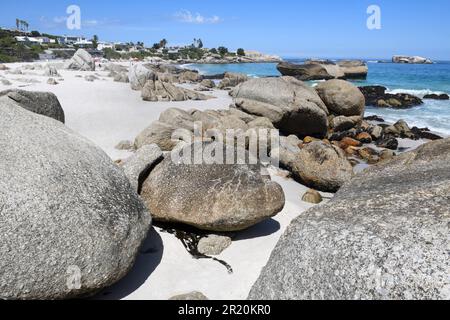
[414,79]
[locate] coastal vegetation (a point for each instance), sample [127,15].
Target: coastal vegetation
[12,51]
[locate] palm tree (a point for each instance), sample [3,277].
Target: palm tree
[163,43]
[95,42]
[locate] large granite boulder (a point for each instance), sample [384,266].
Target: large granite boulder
[292,106]
[385,235]
[305,72]
[317,165]
[215,197]
[332,69]
[342,98]
[354,69]
[434,96]
[376,96]
[138,75]
[81,61]
[43,103]
[70,223]
[158,133]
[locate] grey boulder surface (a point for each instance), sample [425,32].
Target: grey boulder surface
[317,165]
[138,166]
[214,245]
[191,296]
[354,69]
[214,197]
[70,223]
[138,75]
[289,104]
[81,61]
[342,98]
[43,103]
[385,235]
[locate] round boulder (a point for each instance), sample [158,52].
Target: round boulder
[214,197]
[342,98]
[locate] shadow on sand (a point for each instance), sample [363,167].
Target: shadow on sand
[262,229]
[148,259]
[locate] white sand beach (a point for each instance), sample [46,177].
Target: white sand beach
[107,112]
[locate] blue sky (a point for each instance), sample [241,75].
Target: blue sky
[320,28]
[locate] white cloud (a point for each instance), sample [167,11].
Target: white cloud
[90,23]
[59,19]
[186,16]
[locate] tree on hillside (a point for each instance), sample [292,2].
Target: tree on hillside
[163,43]
[35,34]
[198,43]
[240,52]
[213,51]
[223,51]
[95,42]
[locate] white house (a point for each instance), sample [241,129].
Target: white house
[34,40]
[105,45]
[74,40]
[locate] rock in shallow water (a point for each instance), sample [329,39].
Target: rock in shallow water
[385,235]
[138,75]
[70,223]
[215,197]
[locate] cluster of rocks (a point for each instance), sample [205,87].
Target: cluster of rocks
[161,82]
[376,96]
[324,70]
[434,96]
[384,236]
